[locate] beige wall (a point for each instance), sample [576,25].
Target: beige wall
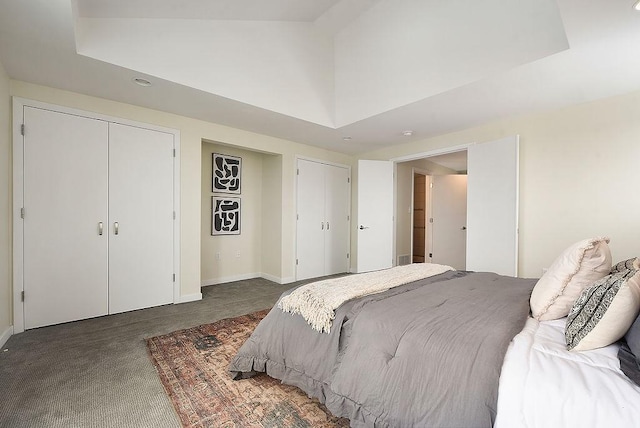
[261,189]
[272,262]
[578,175]
[5,204]
[193,132]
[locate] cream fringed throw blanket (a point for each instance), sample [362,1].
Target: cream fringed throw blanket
[317,302]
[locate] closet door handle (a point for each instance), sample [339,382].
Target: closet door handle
[327,225]
[116,226]
[322,225]
[100,228]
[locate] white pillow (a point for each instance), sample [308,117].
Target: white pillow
[604,311]
[577,267]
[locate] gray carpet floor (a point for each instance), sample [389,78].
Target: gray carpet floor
[97,373]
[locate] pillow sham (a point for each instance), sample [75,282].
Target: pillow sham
[629,354]
[577,267]
[604,311]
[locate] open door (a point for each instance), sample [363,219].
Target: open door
[375,215]
[492,207]
[449,214]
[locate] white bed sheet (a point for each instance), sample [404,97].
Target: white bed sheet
[543,385]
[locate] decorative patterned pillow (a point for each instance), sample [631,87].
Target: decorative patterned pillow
[576,268]
[624,265]
[604,311]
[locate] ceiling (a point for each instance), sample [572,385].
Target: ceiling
[316,71]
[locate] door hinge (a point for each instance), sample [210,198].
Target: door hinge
[174,277]
[22,213]
[296,262]
[174,215]
[297,216]
[347,255]
[431,255]
[22,129]
[348,218]
[174,153]
[22,296]
[431,220]
[348,179]
[297,171]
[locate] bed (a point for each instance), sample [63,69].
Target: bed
[453,349]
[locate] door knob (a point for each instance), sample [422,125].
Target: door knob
[363,227]
[463,228]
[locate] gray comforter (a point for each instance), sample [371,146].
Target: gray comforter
[426,354]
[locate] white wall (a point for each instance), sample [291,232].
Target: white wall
[192,133]
[5,207]
[403,51]
[578,175]
[286,67]
[255,220]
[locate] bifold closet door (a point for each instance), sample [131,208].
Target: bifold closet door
[322,233]
[140,218]
[65,222]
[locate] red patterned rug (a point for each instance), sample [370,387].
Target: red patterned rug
[192,365]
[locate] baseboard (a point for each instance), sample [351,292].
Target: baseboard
[190,298]
[232,278]
[6,335]
[277,279]
[288,280]
[223,280]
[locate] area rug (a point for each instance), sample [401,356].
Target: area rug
[192,365]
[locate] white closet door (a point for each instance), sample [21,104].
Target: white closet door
[311,223]
[336,242]
[140,218]
[65,200]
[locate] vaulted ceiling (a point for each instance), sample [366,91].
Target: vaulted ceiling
[316,71]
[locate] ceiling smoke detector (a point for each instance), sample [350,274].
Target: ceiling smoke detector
[140,81]
[407,133]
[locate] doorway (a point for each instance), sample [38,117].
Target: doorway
[492,203]
[421,185]
[416,209]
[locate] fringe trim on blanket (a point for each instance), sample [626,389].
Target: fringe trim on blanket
[317,302]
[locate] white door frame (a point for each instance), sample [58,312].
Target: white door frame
[408,158]
[427,248]
[18,197]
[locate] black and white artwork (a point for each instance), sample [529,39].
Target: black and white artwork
[225,215]
[226,174]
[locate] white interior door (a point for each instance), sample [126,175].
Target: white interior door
[492,207]
[375,215]
[140,218]
[310,226]
[65,201]
[449,213]
[336,241]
